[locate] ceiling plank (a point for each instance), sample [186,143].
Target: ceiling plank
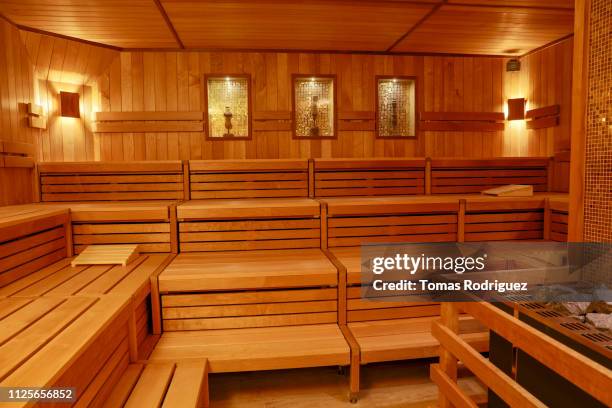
[162,11]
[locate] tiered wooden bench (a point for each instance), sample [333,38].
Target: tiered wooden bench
[391,329]
[461,176]
[81,342]
[248,178]
[170,385]
[151,224]
[31,237]
[245,308]
[111,181]
[368,177]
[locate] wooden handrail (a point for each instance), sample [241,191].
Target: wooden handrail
[587,374]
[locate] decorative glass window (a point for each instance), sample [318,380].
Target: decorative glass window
[314,113]
[395,107]
[228,106]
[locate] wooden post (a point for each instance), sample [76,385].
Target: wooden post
[174,235]
[547,218]
[550,174]
[323,225]
[461,221]
[132,333]
[311,178]
[578,125]
[68,236]
[449,317]
[186,181]
[428,175]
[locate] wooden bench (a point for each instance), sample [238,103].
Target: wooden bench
[393,329]
[81,342]
[248,224]
[31,237]
[60,280]
[504,218]
[248,178]
[252,289]
[183,384]
[111,181]
[461,176]
[559,208]
[368,177]
[151,224]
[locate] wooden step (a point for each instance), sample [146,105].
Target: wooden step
[183,384]
[255,349]
[248,270]
[403,339]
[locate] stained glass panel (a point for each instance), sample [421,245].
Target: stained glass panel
[228,107]
[314,107]
[396,107]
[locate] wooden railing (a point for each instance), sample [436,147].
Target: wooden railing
[581,371]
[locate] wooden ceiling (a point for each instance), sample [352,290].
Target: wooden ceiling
[487,27]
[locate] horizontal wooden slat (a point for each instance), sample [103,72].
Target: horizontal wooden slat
[249,245]
[153,167]
[391,221]
[542,123]
[248,297]
[242,177]
[107,188]
[151,116]
[259,309]
[251,321]
[356,241]
[25,149]
[367,191]
[112,196]
[248,225]
[120,238]
[84,229]
[462,116]
[380,183]
[541,112]
[143,248]
[504,217]
[147,127]
[248,185]
[17,161]
[370,175]
[205,166]
[503,235]
[393,313]
[281,234]
[488,181]
[390,230]
[503,226]
[510,162]
[474,189]
[114,179]
[196,194]
[468,126]
[485,173]
[368,164]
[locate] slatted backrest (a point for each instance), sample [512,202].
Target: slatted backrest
[31,238]
[457,176]
[109,181]
[351,223]
[558,219]
[248,224]
[368,177]
[248,178]
[504,219]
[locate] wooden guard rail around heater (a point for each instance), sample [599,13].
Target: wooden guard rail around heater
[31,238]
[461,121]
[17,154]
[248,178]
[141,122]
[368,177]
[110,181]
[460,176]
[581,371]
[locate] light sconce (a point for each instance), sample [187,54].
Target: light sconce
[516,109]
[69,105]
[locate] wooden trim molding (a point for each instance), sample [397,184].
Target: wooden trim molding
[461,121]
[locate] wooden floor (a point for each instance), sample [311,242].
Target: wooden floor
[384,385]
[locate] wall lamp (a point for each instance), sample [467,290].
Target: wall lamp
[69,105]
[516,109]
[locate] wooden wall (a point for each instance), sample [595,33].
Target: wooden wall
[172,81]
[16,91]
[70,66]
